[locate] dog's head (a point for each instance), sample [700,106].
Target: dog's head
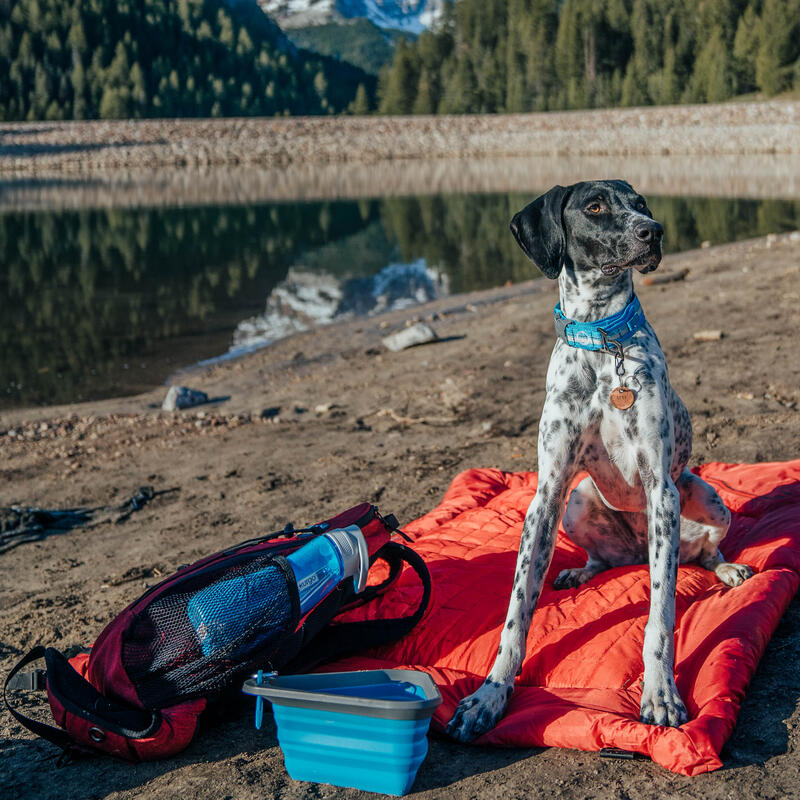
[602,225]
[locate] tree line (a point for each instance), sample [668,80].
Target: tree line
[83,59]
[537,55]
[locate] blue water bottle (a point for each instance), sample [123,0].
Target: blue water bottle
[226,612]
[327,560]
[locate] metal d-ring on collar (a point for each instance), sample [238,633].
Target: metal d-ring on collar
[615,349]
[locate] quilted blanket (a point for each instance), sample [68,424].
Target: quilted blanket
[580,682]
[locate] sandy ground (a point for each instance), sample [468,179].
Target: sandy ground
[347,421]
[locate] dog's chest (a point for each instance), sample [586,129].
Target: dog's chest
[612,439]
[607,455]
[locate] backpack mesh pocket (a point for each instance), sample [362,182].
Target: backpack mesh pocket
[198,635]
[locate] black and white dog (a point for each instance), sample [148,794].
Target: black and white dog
[610,411]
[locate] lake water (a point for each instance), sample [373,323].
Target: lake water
[101,302]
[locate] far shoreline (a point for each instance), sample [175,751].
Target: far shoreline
[755,177]
[89,147]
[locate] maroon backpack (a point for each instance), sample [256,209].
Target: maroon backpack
[140,691]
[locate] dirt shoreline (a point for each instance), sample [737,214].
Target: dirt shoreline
[84,148]
[328,418]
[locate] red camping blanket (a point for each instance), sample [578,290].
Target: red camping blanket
[580,683]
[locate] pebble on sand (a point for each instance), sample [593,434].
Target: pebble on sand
[708,336]
[410,337]
[179,397]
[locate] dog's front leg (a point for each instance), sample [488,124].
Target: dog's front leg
[661,703]
[480,711]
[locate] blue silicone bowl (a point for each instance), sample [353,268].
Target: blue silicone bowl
[364,730]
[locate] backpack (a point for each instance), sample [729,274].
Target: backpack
[139,693]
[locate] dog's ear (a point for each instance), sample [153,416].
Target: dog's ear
[539,230]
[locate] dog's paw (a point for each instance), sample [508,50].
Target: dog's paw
[572,578]
[732,574]
[479,712]
[662,705]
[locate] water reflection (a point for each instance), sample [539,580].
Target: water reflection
[96,303]
[305,299]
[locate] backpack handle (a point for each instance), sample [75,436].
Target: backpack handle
[52,734]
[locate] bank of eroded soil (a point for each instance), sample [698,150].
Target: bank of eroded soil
[348,421]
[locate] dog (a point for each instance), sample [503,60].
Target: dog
[609,411]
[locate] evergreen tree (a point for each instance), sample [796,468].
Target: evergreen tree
[668,88]
[745,49]
[424,101]
[779,45]
[360,104]
[712,80]
[398,85]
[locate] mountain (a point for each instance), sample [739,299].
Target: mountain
[410,16]
[357,41]
[72,59]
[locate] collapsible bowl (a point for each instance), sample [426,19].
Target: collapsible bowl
[364,730]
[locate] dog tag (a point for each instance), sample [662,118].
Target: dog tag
[622,397]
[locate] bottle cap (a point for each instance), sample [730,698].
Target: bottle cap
[353,550]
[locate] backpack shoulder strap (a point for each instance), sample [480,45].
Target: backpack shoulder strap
[343,639]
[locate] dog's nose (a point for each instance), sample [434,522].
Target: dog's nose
[649,232]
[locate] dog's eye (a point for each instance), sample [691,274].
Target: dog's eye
[594,208]
[640,204]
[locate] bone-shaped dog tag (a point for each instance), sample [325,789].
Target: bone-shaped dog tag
[622,397]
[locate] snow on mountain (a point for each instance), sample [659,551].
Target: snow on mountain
[413,16]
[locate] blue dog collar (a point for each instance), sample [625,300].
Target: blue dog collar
[617,328]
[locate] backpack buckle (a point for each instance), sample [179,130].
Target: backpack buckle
[33,681]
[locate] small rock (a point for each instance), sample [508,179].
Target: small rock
[794,236]
[271,412]
[771,239]
[179,397]
[410,337]
[705,245]
[323,408]
[707,336]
